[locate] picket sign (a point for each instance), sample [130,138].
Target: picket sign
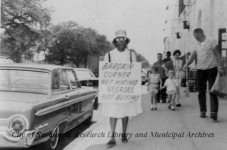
[119,82]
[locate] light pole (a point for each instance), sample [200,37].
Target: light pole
[61,50]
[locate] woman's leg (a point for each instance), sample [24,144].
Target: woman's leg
[178,95]
[124,129]
[113,122]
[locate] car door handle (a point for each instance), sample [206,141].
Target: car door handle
[67,97]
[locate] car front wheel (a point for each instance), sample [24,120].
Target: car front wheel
[52,143]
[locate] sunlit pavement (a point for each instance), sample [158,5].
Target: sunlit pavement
[184,128]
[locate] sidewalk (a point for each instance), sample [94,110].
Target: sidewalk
[184,128]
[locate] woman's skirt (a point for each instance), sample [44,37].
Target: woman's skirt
[120,110]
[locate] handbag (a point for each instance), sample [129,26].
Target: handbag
[220,86]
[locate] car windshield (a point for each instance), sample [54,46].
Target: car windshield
[24,81]
[81,74]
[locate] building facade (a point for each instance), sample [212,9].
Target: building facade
[210,15]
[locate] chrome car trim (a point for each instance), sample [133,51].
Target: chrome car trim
[3,124]
[22,116]
[10,138]
[28,135]
[4,130]
[31,135]
[62,105]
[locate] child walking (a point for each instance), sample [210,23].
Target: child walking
[171,86]
[153,84]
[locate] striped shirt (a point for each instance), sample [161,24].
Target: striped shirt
[205,54]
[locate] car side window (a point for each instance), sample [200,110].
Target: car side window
[55,80]
[72,79]
[64,84]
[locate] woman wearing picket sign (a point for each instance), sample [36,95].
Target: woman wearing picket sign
[120,110]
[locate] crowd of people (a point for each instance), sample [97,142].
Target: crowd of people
[165,78]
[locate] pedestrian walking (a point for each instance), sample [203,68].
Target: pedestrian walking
[168,57]
[171,86]
[153,85]
[208,58]
[121,111]
[178,68]
[168,62]
[161,96]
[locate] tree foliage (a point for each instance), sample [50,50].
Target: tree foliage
[23,21]
[142,59]
[73,43]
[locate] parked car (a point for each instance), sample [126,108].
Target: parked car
[40,102]
[87,78]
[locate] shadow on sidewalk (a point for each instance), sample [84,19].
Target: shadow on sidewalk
[119,146]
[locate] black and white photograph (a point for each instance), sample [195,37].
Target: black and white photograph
[113,75]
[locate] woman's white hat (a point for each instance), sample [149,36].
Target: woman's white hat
[121,33]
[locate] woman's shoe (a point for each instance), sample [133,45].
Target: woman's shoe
[111,143]
[124,140]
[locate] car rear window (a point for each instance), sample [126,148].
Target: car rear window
[81,74]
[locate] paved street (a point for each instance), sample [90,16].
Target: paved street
[184,129]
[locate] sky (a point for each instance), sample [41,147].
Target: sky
[142,19]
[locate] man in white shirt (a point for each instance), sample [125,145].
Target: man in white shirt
[208,58]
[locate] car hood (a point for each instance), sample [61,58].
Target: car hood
[15,102]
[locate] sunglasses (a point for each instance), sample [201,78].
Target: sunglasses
[120,39]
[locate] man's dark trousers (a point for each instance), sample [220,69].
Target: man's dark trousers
[162,93]
[204,76]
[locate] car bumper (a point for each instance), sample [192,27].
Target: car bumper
[23,141]
[26,140]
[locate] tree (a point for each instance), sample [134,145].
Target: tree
[73,43]
[66,39]
[23,21]
[142,59]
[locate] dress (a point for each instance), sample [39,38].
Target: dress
[154,80]
[117,110]
[171,86]
[177,65]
